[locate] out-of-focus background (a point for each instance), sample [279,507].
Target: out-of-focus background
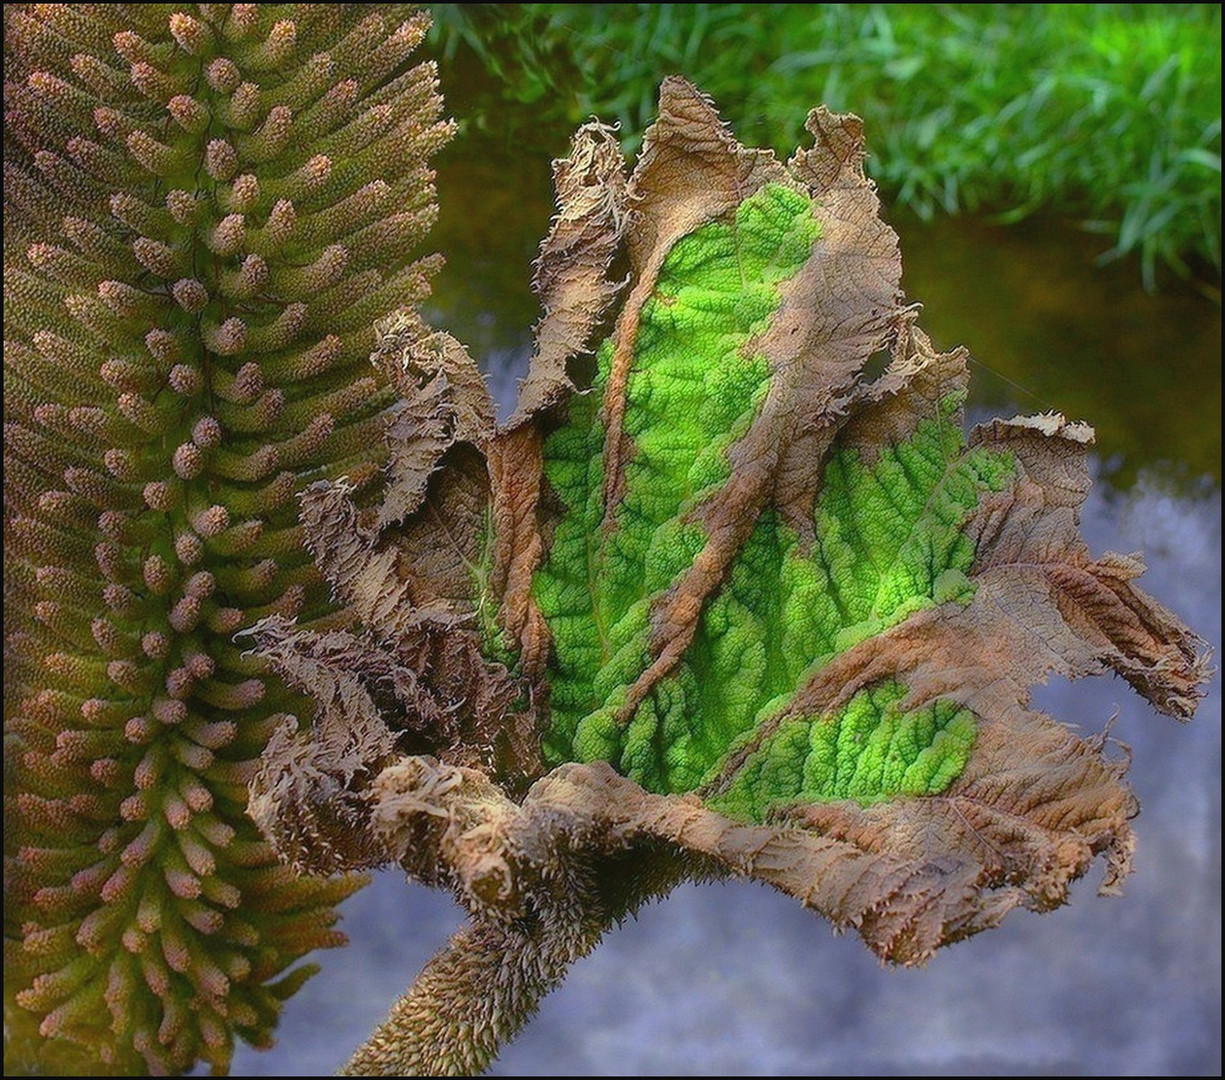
[1054,174]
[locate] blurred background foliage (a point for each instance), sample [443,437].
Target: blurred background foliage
[1108,114]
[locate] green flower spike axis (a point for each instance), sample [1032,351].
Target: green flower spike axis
[206,209]
[733,609]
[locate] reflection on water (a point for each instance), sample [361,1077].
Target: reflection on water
[1050,329]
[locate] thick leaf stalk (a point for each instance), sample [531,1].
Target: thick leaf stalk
[207,208]
[483,986]
[533,914]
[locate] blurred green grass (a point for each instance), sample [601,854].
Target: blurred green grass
[1106,113]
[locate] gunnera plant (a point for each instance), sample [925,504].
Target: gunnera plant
[734,606]
[207,209]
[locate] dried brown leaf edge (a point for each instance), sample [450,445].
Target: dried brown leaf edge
[442,708]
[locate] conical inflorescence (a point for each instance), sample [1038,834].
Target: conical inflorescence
[207,209]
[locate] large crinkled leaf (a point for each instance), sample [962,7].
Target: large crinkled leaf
[758,612]
[769,510]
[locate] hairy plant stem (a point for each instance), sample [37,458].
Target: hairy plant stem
[472,996]
[539,902]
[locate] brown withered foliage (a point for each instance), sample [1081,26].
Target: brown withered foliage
[426,749]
